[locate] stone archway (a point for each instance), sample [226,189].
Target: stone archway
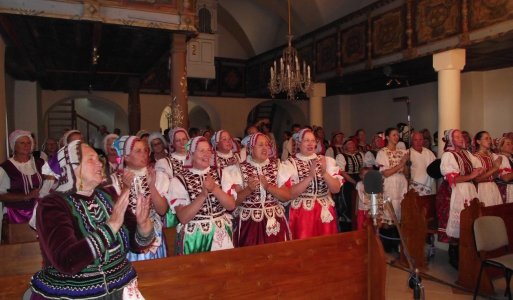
[199,118]
[285,114]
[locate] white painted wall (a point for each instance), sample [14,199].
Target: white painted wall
[228,46]
[26,98]
[377,111]
[498,109]
[487,104]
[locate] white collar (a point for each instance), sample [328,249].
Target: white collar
[250,160]
[309,157]
[200,172]
[140,172]
[225,155]
[179,156]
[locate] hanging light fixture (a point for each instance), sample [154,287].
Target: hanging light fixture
[287,75]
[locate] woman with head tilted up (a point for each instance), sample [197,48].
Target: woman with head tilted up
[459,167]
[196,197]
[392,162]
[312,178]
[20,179]
[254,184]
[487,190]
[85,233]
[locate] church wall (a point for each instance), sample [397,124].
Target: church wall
[26,106]
[486,104]
[498,108]
[472,102]
[228,46]
[377,111]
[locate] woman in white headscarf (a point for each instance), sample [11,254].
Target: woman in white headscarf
[85,235]
[20,179]
[459,168]
[199,202]
[313,179]
[168,167]
[135,175]
[254,184]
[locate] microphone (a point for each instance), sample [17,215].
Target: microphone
[373,186]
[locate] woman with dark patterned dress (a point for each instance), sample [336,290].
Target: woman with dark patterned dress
[135,174]
[336,145]
[505,182]
[312,178]
[361,138]
[459,168]
[85,233]
[20,179]
[201,205]
[350,162]
[224,156]
[378,142]
[168,167]
[254,183]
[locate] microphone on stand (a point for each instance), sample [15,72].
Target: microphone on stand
[373,186]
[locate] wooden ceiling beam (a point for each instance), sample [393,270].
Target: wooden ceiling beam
[12,35]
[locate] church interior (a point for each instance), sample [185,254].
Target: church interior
[155,64]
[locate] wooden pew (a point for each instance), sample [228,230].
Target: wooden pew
[343,266]
[18,262]
[417,221]
[469,262]
[17,233]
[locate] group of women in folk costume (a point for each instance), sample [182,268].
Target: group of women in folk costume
[203,197]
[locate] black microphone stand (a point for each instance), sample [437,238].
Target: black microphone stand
[414,281]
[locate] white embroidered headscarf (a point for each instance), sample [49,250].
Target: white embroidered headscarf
[249,141]
[190,147]
[172,135]
[68,159]
[64,140]
[106,139]
[154,136]
[15,135]
[124,146]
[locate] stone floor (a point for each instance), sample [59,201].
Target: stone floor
[438,281]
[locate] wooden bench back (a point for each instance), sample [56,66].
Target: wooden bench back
[18,259]
[469,261]
[417,220]
[17,233]
[344,266]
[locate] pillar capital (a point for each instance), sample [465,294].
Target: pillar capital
[317,90]
[449,60]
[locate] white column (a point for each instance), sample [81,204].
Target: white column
[316,93]
[448,64]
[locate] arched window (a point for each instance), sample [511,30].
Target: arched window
[205,19]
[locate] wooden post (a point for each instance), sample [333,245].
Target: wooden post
[134,106]
[179,75]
